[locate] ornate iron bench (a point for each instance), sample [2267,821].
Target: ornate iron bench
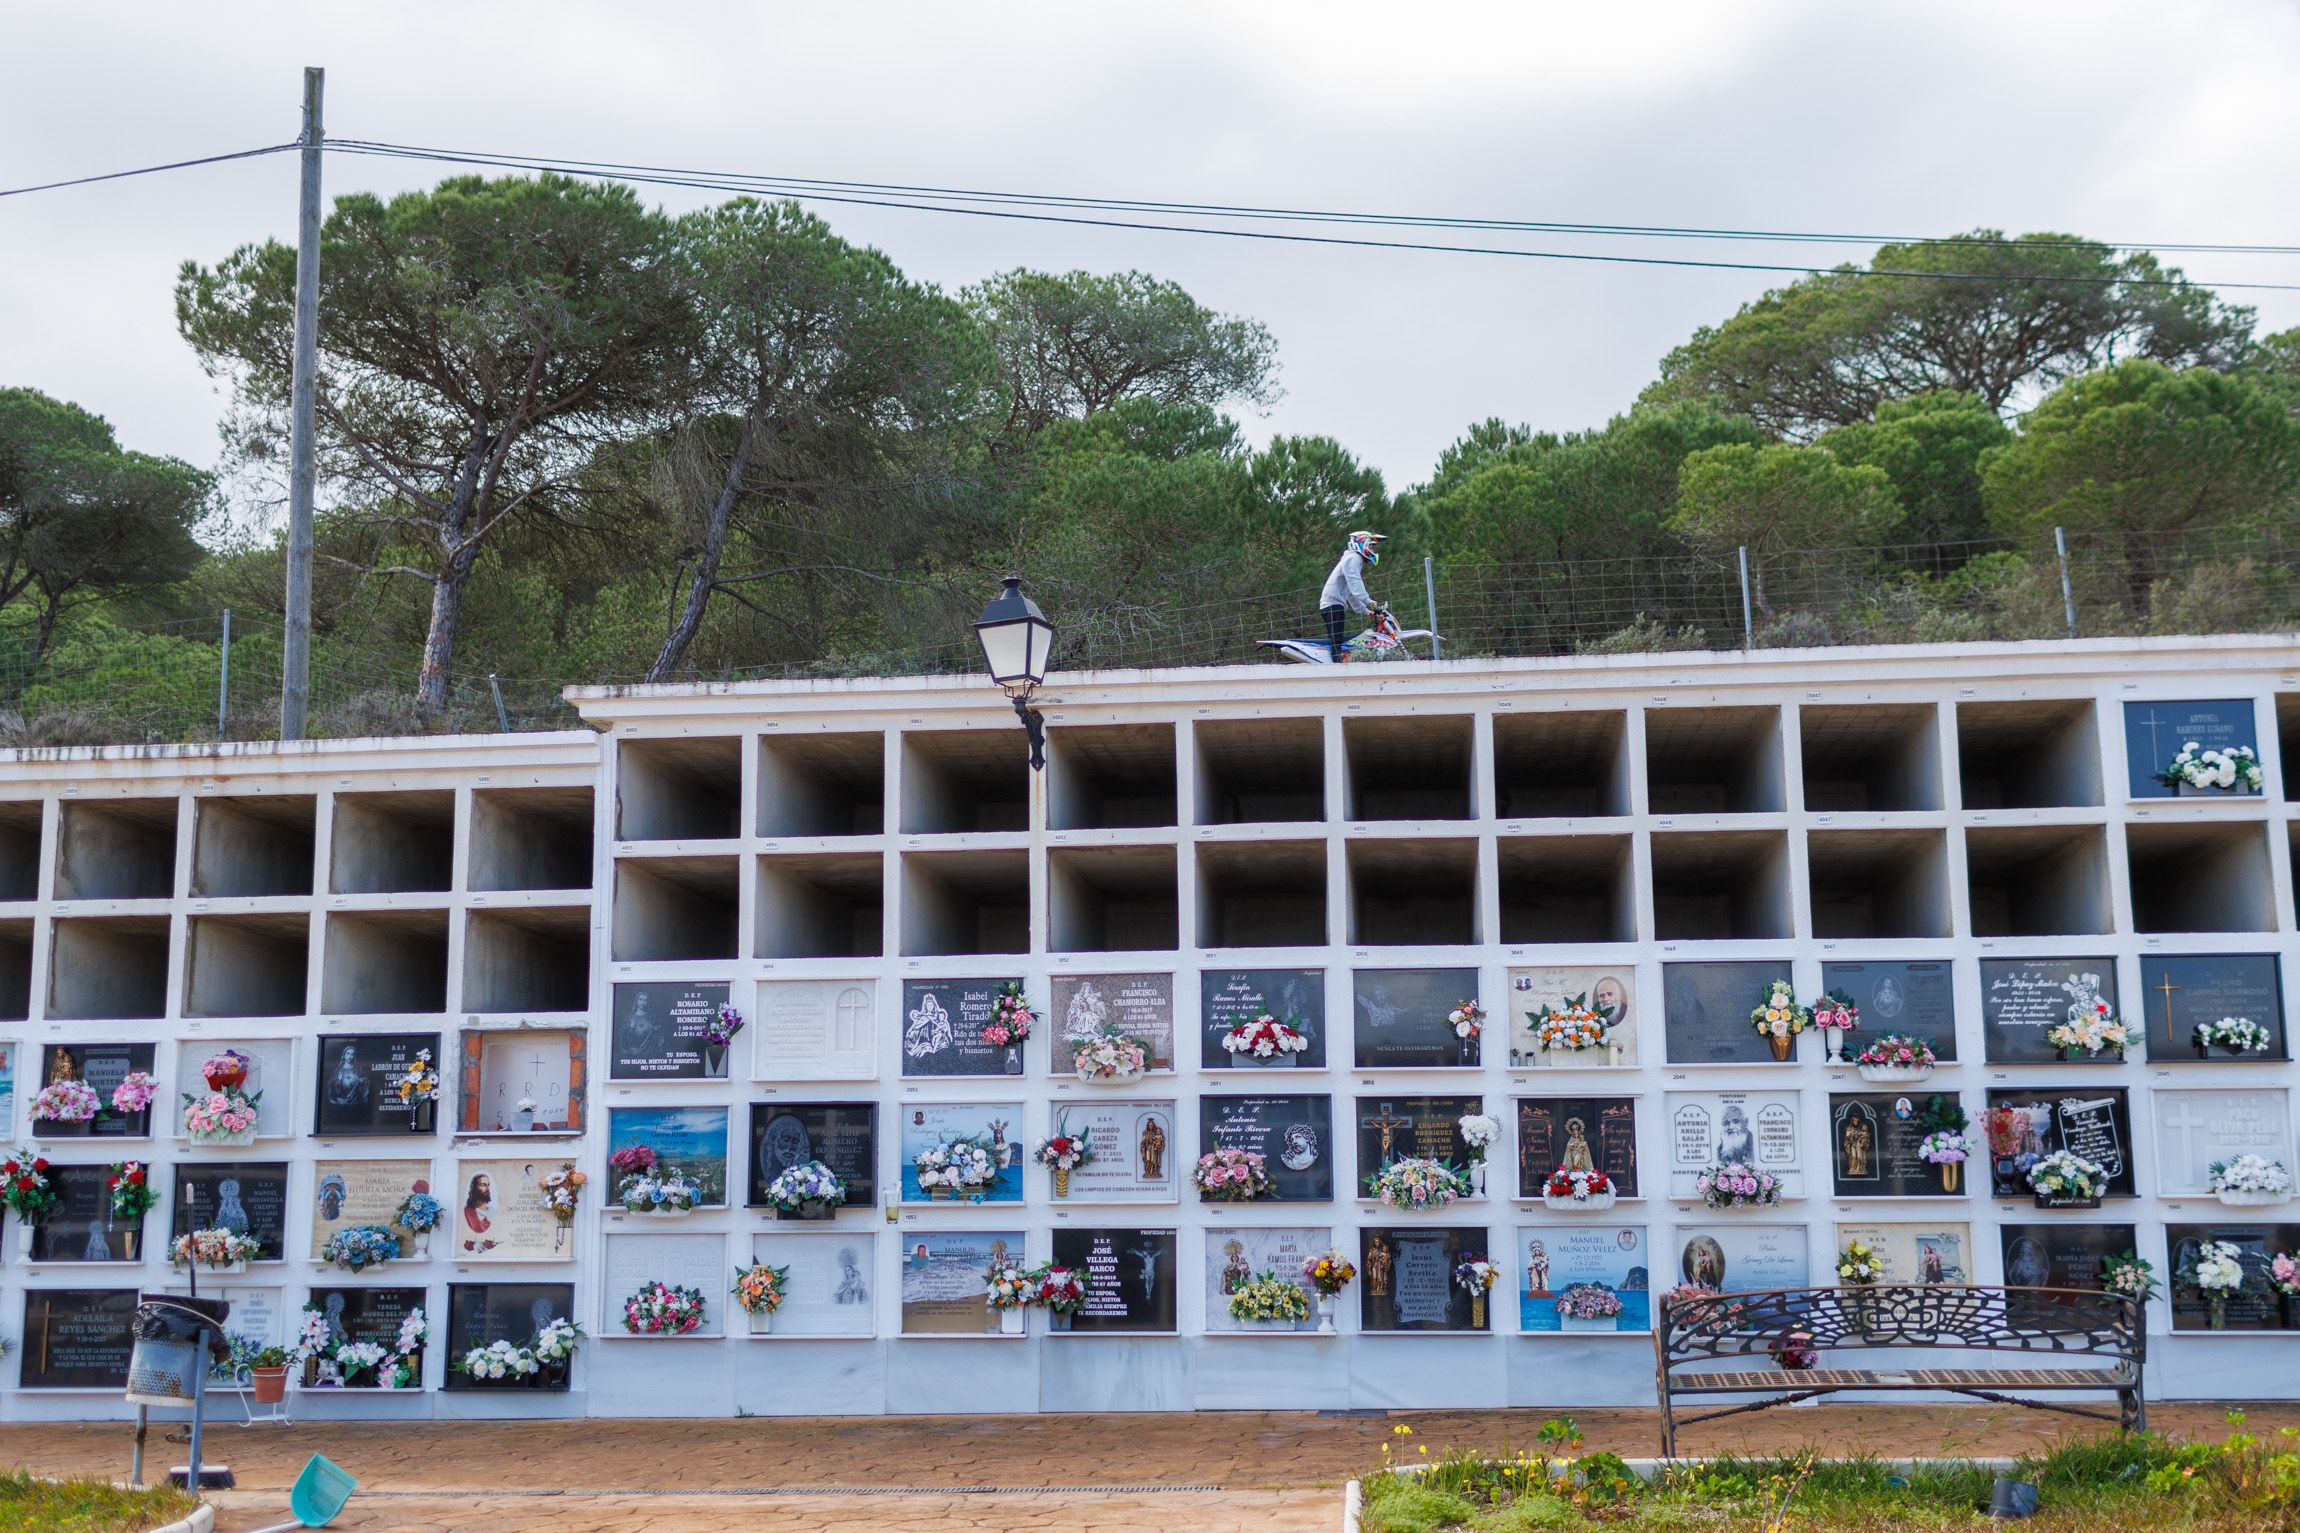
[2064,1322]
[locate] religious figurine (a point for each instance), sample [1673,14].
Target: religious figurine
[230,1214]
[1235,1273]
[1153,1150]
[1378,1263]
[347,1087]
[1577,1147]
[332,1193]
[1000,1150]
[1856,1147]
[851,1288]
[1536,1269]
[63,1069]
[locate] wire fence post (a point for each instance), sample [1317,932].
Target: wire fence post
[1429,585]
[1748,624]
[2067,594]
[502,718]
[224,680]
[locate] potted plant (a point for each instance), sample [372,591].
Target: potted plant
[1475,1275]
[659,1309]
[226,1253]
[1268,1302]
[1779,1019]
[1568,1027]
[1895,1058]
[1588,1307]
[2214,1271]
[2198,773]
[2249,1181]
[66,1102]
[2065,1179]
[267,1375]
[956,1168]
[1479,1132]
[1467,1021]
[1837,1018]
[1064,1152]
[760,1290]
[1061,1293]
[1232,1176]
[555,1349]
[224,1118]
[2237,1035]
[718,1032]
[1737,1184]
[1008,1291]
[2092,1033]
[1329,1272]
[1264,1041]
[1578,1192]
[226,1069]
[132,1196]
[1111,1059]
[29,1193]
[1011,1018]
[418,1087]
[133,1095]
[360,1247]
[1416,1183]
[419,1214]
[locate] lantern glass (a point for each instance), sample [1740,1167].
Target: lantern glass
[1016,638]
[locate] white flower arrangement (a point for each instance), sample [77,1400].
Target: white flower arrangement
[555,1343]
[2096,1032]
[498,1360]
[958,1166]
[2238,1035]
[1944,1147]
[1571,1025]
[2254,1178]
[1480,1131]
[2065,1174]
[2235,769]
[2217,1267]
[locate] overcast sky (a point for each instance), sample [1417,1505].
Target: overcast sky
[2116,120]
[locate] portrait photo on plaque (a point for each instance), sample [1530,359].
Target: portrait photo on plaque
[1750,1128]
[10,1051]
[81,1227]
[1230,998]
[942,1023]
[1914,1252]
[2155,734]
[498,1213]
[347,1193]
[269,1084]
[1576,1134]
[657,1031]
[1401,1018]
[1131,1278]
[100,1067]
[520,1080]
[1089,1006]
[1876,1141]
[1576,1278]
[246,1197]
[634,1259]
[1392,1126]
[2196,1128]
[995,1128]
[815,1030]
[842,1135]
[1294,1135]
[1406,1279]
[2022,1125]
[481,1314]
[689,1140]
[2024,999]
[366,1314]
[830,1282]
[2191,998]
[942,1273]
[1898,996]
[77,1338]
[1591,1013]
[1235,1257]
[1135,1156]
[2047,1254]
[2257,1306]
[1705,1012]
[1732,1257]
[359,1077]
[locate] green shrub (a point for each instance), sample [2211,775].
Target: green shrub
[1400,1504]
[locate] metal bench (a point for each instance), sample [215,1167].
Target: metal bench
[2063,1322]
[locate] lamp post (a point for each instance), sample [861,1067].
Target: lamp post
[1016,638]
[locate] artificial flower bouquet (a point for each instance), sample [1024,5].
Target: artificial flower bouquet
[2128,1274]
[1836,1013]
[25,1186]
[1475,1274]
[1267,1299]
[1065,1151]
[134,1093]
[1329,1272]
[1858,1266]
[1578,1192]
[1896,1057]
[563,1193]
[419,1082]
[1061,1291]
[1569,1026]
[1796,1352]
[2238,1035]
[2248,1180]
[1701,1309]
[1415,1182]
[1110,1059]
[66,1102]
[1467,1020]
[498,1362]
[214,1248]
[419,1213]
[2097,1031]
[2065,1179]
[660,1192]
[557,1341]
[1265,1040]
[2236,769]
[659,1309]
[1737,1184]
[131,1190]
[760,1289]
[723,1025]
[360,1247]
[956,1168]
[1011,1018]
[226,1069]
[1479,1131]
[226,1116]
[1232,1176]
[1778,1018]
[812,1190]
[1593,1305]
[2284,1274]
[2214,1272]
[1008,1291]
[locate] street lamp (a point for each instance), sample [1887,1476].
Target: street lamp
[1016,638]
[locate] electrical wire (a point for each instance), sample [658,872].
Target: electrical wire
[149,170]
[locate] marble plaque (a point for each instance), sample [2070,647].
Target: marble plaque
[245,1197]
[1873,1140]
[353,1192]
[1405,1279]
[1745,1258]
[1758,1128]
[1609,989]
[830,1285]
[1294,1134]
[366,1314]
[271,1080]
[259,1317]
[815,1030]
[479,1314]
[1135,1156]
[77,1338]
[2155,732]
[1914,1253]
[1570,1253]
[942,1023]
[657,1031]
[1705,1011]
[842,1135]
[942,1272]
[1131,1278]
[689,1140]
[497,1213]
[2257,1307]
[2181,990]
[1598,1131]
[1391,1127]
[1400,1018]
[2022,999]
[358,1083]
[10,1050]
[1235,1257]
[1898,997]
[2196,1128]
[996,1125]
[2092,1121]
[1139,1005]
[522,1065]
[81,1226]
[1230,996]
[101,1066]
[2049,1254]
[681,1259]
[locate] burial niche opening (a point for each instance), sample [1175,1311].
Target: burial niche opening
[527,960]
[965,902]
[103,968]
[393,843]
[1871,756]
[531,838]
[1262,894]
[1110,776]
[1109,899]
[1566,889]
[1878,883]
[1560,765]
[2033,753]
[2038,880]
[120,849]
[1261,771]
[384,961]
[822,785]
[679,789]
[670,908]
[1711,885]
[2200,877]
[1413,893]
[247,966]
[956,780]
[253,845]
[1713,760]
[1410,768]
[822,905]
[20,850]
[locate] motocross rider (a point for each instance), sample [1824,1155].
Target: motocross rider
[1345,590]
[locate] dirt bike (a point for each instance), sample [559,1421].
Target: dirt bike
[1383,639]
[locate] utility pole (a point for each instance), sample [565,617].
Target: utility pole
[303,466]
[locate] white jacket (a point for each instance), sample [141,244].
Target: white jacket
[1346,586]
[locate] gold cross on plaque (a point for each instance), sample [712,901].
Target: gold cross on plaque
[2165,986]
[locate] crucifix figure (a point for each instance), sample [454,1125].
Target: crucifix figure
[2164,986]
[1389,1123]
[2157,754]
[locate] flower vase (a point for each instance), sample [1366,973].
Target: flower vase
[228,1269]
[1612,1053]
[1325,1314]
[421,1241]
[1010,1321]
[1477,1178]
[1061,1182]
[1477,1311]
[425,1113]
[762,1321]
[128,1239]
[1282,1060]
[2249,1197]
[1949,1169]
[2216,1311]
[714,1061]
[1833,1043]
[27,1235]
[811,1208]
[1058,1319]
[524,1120]
[1781,1044]
[1466,1051]
[939,1194]
[1590,1325]
[1013,1059]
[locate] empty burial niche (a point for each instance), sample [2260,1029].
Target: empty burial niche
[2288,743]
[247,966]
[381,961]
[1408,768]
[965,902]
[2030,754]
[1261,771]
[1710,885]
[1713,761]
[101,969]
[1879,883]
[393,843]
[965,779]
[1413,893]
[2038,880]
[1566,889]
[1262,894]
[675,908]
[1871,756]
[20,850]
[1110,777]
[531,838]
[822,905]
[2200,878]
[527,961]
[1113,899]
[679,790]
[822,785]
[1560,765]
[15,970]
[120,849]
[253,845]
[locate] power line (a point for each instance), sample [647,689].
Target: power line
[147,170]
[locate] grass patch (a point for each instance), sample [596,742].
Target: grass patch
[29,1505]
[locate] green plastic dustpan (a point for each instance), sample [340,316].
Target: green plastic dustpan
[320,1492]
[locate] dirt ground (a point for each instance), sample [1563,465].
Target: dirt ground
[1274,1472]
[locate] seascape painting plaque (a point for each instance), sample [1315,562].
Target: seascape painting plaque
[1228,997]
[2182,990]
[1705,1011]
[1915,1253]
[1745,1258]
[2258,1307]
[1873,1140]
[1568,1255]
[831,1286]
[2092,1121]
[81,1226]
[689,1140]
[1134,1151]
[996,1126]
[77,1338]
[2196,1128]
[942,1279]
[352,1192]
[503,1067]
[1295,1135]
[366,1314]
[271,1081]
[1898,997]
[1236,1257]
[1400,1018]
[2022,999]
[1139,1005]
[100,1066]
[1131,1278]
[2051,1255]
[815,1030]
[358,1083]
[1756,1128]
[1393,1127]
[632,1261]
[481,1313]
[1405,1280]
[657,1031]
[9,1051]
[842,1135]
[942,1023]
[497,1213]
[245,1197]
[1577,1133]
[1610,990]
[2155,732]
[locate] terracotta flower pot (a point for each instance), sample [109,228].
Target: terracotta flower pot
[269,1384]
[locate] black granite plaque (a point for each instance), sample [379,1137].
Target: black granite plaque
[1230,996]
[101,1066]
[2048,1255]
[1392,1127]
[481,1313]
[942,1023]
[358,1091]
[2179,991]
[657,1033]
[1294,1134]
[1131,1280]
[77,1338]
[1405,1280]
[1401,1017]
[245,1197]
[365,1314]
[1705,1011]
[2155,732]
[2022,999]
[1548,1128]
[2092,1121]
[1896,997]
[842,1135]
[81,1226]
[1873,1139]
[2258,1307]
